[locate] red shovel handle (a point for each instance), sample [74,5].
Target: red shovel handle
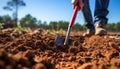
[74,16]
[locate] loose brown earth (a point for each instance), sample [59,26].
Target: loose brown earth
[37,51]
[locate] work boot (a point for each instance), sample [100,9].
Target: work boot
[89,32]
[100,30]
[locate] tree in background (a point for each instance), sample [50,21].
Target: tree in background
[117,26]
[113,27]
[5,18]
[43,25]
[7,21]
[28,21]
[13,5]
[78,27]
[53,25]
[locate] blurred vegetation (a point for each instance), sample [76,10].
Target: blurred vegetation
[14,5]
[29,21]
[113,27]
[7,21]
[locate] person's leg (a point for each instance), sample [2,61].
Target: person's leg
[101,11]
[88,18]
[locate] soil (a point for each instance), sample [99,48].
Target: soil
[37,51]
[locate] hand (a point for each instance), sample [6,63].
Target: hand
[78,2]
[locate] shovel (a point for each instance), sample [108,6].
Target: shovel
[61,41]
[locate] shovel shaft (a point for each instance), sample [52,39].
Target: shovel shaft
[71,24]
[67,35]
[74,16]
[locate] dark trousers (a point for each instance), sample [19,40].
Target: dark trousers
[100,13]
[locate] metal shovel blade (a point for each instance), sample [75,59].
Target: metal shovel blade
[59,41]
